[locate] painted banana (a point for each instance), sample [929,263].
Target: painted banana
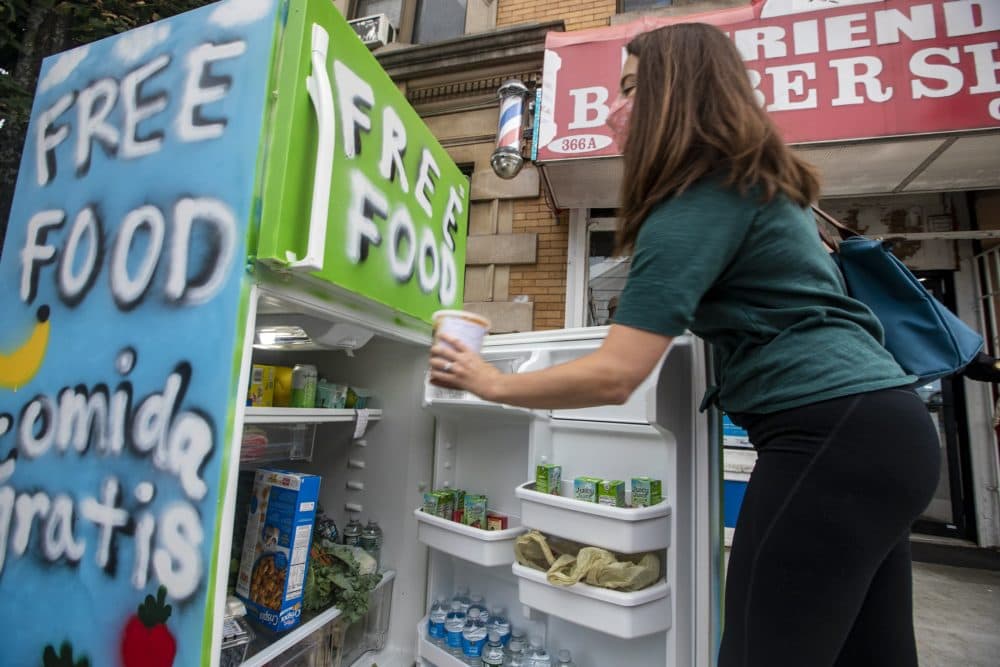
[18,367]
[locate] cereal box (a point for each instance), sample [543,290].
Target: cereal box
[548,477]
[585,488]
[611,492]
[475,511]
[646,491]
[261,391]
[276,547]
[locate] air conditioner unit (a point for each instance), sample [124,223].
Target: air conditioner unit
[374,31]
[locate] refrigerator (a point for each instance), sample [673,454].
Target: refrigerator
[242,185]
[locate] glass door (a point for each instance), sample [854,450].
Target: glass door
[950,512]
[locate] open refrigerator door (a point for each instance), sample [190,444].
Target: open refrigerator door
[495,450]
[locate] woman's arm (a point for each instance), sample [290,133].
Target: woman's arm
[606,376]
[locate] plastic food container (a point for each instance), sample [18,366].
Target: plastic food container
[236,638]
[469,328]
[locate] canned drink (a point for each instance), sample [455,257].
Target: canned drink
[304,378]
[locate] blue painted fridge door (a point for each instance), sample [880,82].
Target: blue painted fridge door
[124,307]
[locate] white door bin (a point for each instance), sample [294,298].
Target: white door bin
[489,548]
[615,613]
[628,530]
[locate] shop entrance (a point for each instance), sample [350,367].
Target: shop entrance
[951,512]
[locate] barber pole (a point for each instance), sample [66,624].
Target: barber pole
[507,159]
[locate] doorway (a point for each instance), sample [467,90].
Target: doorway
[951,512]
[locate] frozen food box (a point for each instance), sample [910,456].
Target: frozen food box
[548,476]
[646,491]
[585,488]
[611,492]
[276,546]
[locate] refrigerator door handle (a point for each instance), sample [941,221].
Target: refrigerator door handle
[321,95]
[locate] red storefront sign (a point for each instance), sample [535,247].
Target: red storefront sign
[825,70]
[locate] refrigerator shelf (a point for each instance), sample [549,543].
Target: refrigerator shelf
[622,529]
[431,652]
[488,548]
[474,408]
[269,645]
[303,415]
[625,615]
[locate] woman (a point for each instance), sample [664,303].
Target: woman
[716,215]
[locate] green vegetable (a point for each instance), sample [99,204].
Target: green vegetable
[334,578]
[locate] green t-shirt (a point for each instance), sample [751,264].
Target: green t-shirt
[754,280]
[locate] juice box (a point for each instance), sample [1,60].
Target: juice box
[548,477]
[475,511]
[437,504]
[611,492]
[458,496]
[261,391]
[646,491]
[448,507]
[275,556]
[585,488]
[496,521]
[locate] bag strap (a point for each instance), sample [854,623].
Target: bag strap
[843,230]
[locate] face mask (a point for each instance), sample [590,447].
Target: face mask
[619,119]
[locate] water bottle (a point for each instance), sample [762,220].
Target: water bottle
[493,653]
[515,651]
[476,602]
[454,624]
[500,623]
[371,540]
[473,639]
[435,622]
[565,659]
[539,656]
[462,597]
[352,534]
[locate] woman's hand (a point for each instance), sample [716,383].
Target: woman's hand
[455,366]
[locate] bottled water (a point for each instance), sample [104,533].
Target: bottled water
[539,656]
[515,651]
[371,541]
[454,624]
[473,639]
[476,602]
[500,623]
[435,622]
[565,659]
[462,597]
[493,653]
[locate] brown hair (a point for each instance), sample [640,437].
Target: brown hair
[695,114]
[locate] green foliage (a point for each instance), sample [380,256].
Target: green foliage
[334,577]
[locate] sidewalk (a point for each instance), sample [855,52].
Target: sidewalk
[956,613]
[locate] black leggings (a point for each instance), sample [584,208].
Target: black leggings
[819,573]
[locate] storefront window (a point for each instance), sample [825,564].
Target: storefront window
[606,274]
[638,5]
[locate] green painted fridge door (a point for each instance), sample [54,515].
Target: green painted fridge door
[357,192]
